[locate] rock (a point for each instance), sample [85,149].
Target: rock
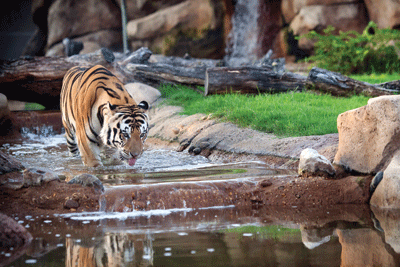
[91,42]
[72,47]
[192,27]
[12,234]
[9,164]
[5,118]
[312,163]
[88,180]
[140,92]
[71,204]
[80,18]
[387,193]
[4,111]
[290,8]
[37,176]
[375,182]
[389,221]
[385,13]
[344,17]
[370,135]
[364,247]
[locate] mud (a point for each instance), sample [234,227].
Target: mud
[253,193]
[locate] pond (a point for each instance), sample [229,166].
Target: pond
[208,236]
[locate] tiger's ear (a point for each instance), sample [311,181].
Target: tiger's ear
[110,107]
[143,105]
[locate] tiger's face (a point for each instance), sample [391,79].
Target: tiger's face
[125,128]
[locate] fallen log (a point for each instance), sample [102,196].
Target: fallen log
[39,79]
[156,74]
[251,80]
[393,85]
[337,84]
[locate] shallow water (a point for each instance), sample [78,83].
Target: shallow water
[204,237]
[211,236]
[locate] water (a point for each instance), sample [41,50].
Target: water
[209,236]
[243,36]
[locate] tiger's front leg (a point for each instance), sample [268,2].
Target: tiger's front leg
[90,153]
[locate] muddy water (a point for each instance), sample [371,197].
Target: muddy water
[209,236]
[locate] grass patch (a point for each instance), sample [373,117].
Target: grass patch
[376,78]
[288,114]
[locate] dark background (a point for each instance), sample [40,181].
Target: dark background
[16,27]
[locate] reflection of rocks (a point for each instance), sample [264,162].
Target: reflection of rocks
[389,221]
[387,193]
[12,235]
[364,247]
[369,135]
[314,237]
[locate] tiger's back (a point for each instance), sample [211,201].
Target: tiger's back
[95,109]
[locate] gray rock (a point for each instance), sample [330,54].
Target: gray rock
[88,180]
[37,176]
[9,164]
[312,163]
[142,92]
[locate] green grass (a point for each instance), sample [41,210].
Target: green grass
[286,114]
[376,78]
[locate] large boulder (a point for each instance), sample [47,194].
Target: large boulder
[387,193]
[141,91]
[290,8]
[193,27]
[385,13]
[68,18]
[344,17]
[370,135]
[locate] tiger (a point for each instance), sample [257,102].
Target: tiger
[98,112]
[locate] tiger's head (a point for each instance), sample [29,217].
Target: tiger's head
[125,128]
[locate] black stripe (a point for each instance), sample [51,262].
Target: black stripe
[110,92]
[119,86]
[109,136]
[100,114]
[97,71]
[91,140]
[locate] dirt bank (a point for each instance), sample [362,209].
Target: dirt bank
[215,139]
[253,193]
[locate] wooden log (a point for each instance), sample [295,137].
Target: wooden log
[39,79]
[394,85]
[251,80]
[156,74]
[337,84]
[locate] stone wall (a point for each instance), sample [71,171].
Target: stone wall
[200,28]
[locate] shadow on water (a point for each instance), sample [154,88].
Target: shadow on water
[343,235]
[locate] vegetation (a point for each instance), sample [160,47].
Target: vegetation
[289,114]
[374,51]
